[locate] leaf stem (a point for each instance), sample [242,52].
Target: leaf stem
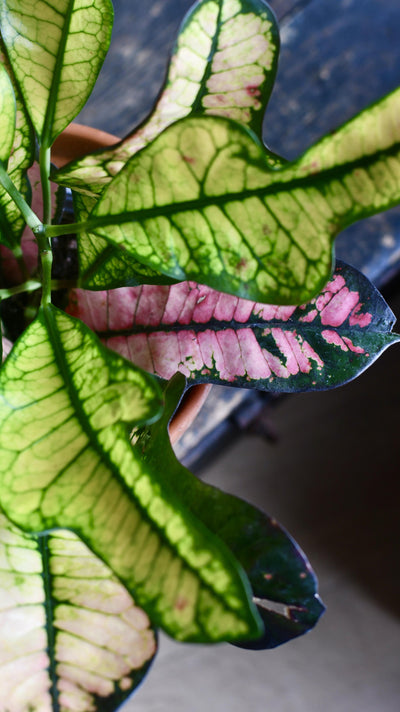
[43,239]
[30,286]
[30,217]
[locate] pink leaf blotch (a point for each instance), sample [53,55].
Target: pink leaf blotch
[213,336]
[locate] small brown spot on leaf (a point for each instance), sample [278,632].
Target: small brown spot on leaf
[180,603]
[188,159]
[252,90]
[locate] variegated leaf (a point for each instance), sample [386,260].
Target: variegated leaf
[71,636]
[104,266]
[214,337]
[208,207]
[20,157]
[67,406]
[223,63]
[278,570]
[7,114]
[65,41]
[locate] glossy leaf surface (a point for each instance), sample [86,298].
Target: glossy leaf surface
[104,266]
[214,337]
[223,63]
[20,157]
[71,636]
[277,569]
[66,42]
[66,460]
[208,207]
[7,114]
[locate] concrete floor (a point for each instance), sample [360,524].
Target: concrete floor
[332,480]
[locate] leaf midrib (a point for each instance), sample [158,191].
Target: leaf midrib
[316,180]
[48,317]
[55,83]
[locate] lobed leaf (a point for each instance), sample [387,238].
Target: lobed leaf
[214,337]
[71,636]
[223,63]
[208,207]
[66,42]
[277,569]
[66,407]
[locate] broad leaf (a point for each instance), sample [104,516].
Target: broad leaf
[7,114]
[104,266]
[214,337]
[277,569]
[71,636]
[66,42]
[223,63]
[207,206]
[66,461]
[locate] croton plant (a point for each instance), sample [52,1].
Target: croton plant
[203,257]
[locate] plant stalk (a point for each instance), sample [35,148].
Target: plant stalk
[43,240]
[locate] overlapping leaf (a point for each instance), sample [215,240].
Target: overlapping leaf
[214,337]
[207,206]
[223,63]
[104,266]
[277,569]
[20,154]
[66,42]
[7,114]
[71,636]
[66,461]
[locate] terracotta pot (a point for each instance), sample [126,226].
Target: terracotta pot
[74,142]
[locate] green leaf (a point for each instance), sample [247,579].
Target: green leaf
[7,114]
[208,207]
[65,41]
[223,63]
[67,405]
[278,570]
[217,338]
[71,636]
[21,156]
[104,266]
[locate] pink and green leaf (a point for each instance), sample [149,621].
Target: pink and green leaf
[67,406]
[208,207]
[71,636]
[213,337]
[223,63]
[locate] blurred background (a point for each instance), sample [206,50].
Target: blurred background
[324,464]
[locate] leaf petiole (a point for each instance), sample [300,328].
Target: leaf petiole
[30,286]
[31,218]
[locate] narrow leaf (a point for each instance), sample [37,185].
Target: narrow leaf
[208,207]
[223,63]
[66,461]
[71,636]
[277,569]
[214,337]
[7,114]
[66,42]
